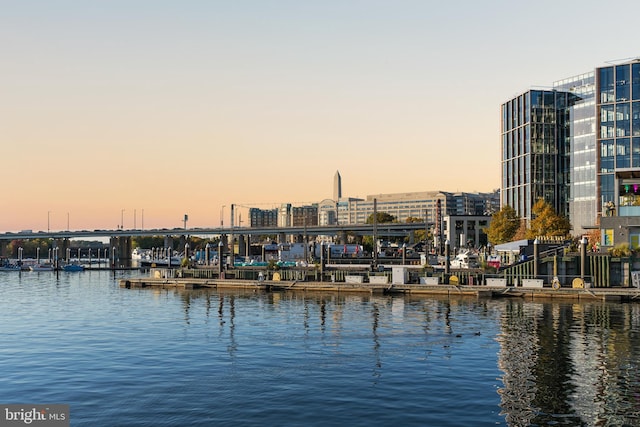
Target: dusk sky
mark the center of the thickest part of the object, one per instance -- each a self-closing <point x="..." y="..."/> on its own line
<point x="109" y="109"/>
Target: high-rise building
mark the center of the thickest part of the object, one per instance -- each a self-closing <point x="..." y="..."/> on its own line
<point x="577" y="146"/>
<point x="535" y="151"/>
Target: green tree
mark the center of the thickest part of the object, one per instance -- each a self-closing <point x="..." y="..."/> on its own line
<point x="382" y="218"/>
<point x="546" y="222"/>
<point x="504" y="225"/>
<point x="418" y="235"/>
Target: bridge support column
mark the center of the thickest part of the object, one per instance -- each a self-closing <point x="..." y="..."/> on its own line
<point x="343" y="238"/>
<point x="120" y="253"/>
<point x="241" y="245"/>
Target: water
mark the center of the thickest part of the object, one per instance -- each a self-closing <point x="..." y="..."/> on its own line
<point x="145" y="357"/>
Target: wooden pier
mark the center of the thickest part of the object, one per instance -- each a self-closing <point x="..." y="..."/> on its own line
<point x="478" y="291"/>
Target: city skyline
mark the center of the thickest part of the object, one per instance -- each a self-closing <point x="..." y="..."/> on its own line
<point x="112" y="109"/>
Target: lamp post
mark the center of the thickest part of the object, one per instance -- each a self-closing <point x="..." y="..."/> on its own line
<point x="536" y="255"/>
<point x="583" y="256"/>
<point x="122" y="219"/>
<point x="48" y="221"/>
<point x="321" y="260"/>
<point x="447" y="255"/>
<point x="220" y="258"/>
<point x="222" y="216"/>
<point x="404" y="253"/>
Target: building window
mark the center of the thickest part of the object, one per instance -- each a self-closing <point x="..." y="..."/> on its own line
<point x="630" y="194"/>
<point x="607" y="121"/>
<point x="635" y="153"/>
<point x="607" y="86"/>
<point x="623" y="115"/>
<point x="635" y="115"/>
<point x="623" y="83"/>
<point x="623" y="153"/>
<point x="635" y="81"/>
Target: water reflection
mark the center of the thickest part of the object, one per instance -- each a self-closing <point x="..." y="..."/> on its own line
<point x="561" y="363"/>
<point x="569" y="364"/>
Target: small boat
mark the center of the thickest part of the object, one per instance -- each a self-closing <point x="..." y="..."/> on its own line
<point x="10" y="267"/>
<point x="41" y="267"/>
<point x="465" y="259"/>
<point x="73" y="267"/>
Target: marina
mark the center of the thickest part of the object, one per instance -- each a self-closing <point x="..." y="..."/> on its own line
<point x="163" y="278"/>
<point x="352" y="358"/>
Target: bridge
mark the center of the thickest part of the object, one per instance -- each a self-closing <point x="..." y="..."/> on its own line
<point x="386" y="229"/>
<point x="119" y="248"/>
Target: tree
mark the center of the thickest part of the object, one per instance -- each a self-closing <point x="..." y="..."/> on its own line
<point x="382" y="218"/>
<point x="503" y="227"/>
<point x="418" y="235"/>
<point x="546" y="222"/>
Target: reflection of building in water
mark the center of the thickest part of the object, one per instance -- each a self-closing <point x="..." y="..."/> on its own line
<point x="569" y="363"/>
<point x="584" y="348"/>
<point x="517" y="359"/>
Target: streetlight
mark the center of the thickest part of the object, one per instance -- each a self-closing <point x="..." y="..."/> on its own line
<point x="220" y="258"/>
<point x="122" y="219"/>
<point x="222" y="216"/>
<point x="48" y="221"/>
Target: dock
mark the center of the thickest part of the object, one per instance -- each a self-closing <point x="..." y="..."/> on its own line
<point x="477" y="291"/>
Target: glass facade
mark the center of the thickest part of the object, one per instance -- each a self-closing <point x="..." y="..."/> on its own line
<point x="583" y="154"/>
<point x="618" y="139"/>
<point x="576" y="146"/>
<point x="535" y="151"/>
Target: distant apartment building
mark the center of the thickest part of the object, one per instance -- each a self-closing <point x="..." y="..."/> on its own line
<point x="302" y="216"/>
<point x="420" y="205"/>
<point x="285" y="215"/>
<point x="263" y="217"/>
<point x="577" y="146"/>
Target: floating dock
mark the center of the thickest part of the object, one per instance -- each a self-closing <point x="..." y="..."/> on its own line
<point x="479" y="291"/>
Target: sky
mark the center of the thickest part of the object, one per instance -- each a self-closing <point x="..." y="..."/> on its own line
<point x="134" y="113"/>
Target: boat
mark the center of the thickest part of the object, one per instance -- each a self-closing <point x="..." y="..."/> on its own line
<point x="41" y="267"/>
<point x="73" y="267"/>
<point x="465" y="259"/>
<point x="139" y="254"/>
<point x="10" y="267"/>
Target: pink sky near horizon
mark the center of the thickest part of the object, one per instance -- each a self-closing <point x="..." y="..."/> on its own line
<point x="182" y="108"/>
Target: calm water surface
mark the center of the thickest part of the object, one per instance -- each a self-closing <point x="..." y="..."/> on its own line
<point x="122" y="357"/>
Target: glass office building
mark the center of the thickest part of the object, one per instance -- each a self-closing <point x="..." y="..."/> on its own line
<point x="577" y="146"/>
<point x="535" y="151"/>
<point x="618" y="116"/>
<point x="583" y="209"/>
